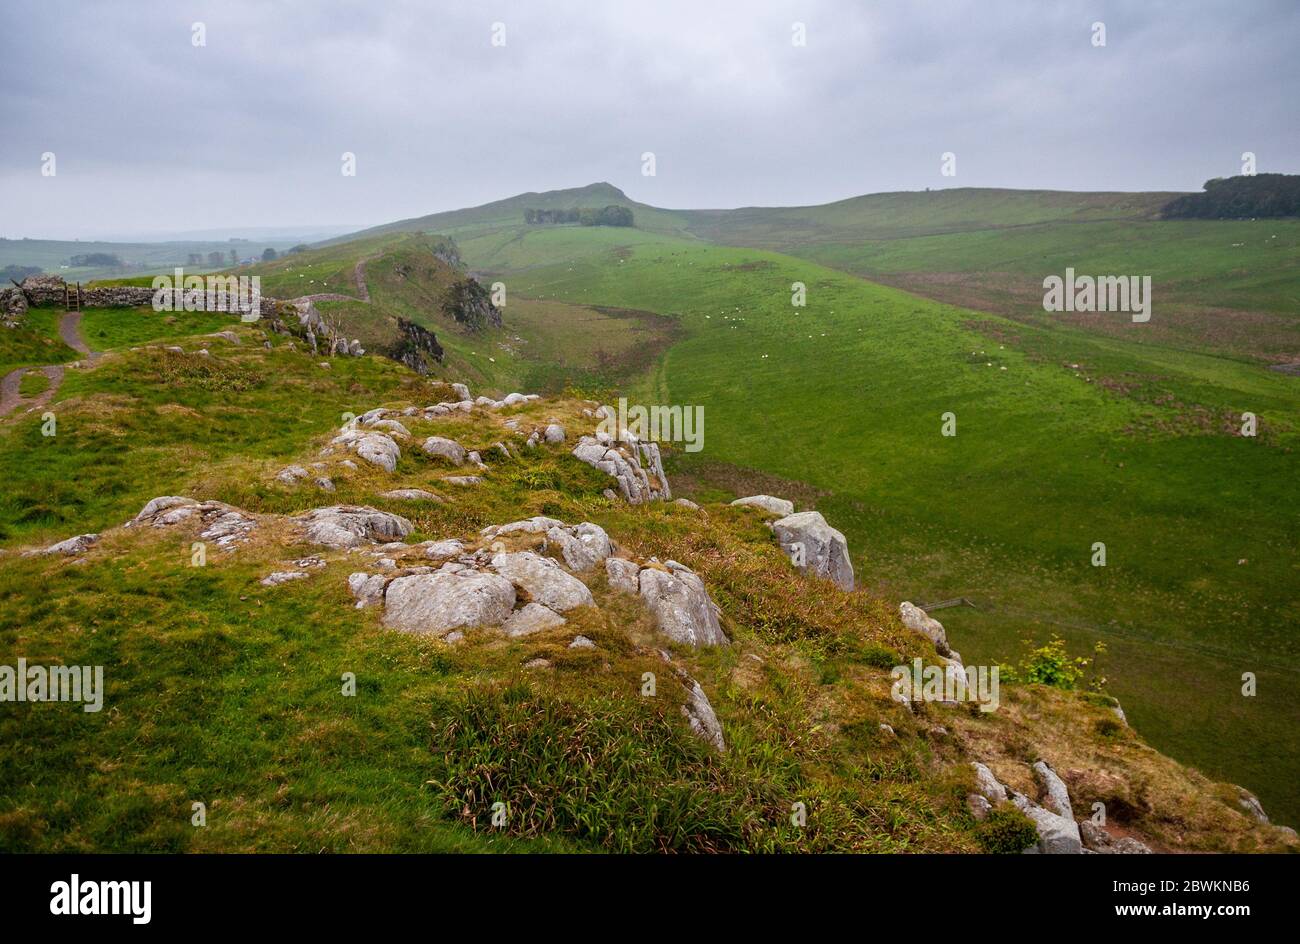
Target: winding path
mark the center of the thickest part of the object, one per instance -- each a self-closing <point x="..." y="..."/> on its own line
<point x="11" y="399"/>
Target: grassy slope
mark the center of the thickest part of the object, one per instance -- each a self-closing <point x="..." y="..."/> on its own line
<point x="1130" y="450"/>
<point x="34" y="342"/>
<point x="106" y="329"/>
<point x="543" y="345"/>
<point x="222" y="691"/>
<point x="1220" y="286"/>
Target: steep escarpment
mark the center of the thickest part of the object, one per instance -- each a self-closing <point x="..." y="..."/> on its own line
<point x="446" y="620"/>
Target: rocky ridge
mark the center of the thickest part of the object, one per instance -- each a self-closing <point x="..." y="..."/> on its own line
<point x="546" y="577"/>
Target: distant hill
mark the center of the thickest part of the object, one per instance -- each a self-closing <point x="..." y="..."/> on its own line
<point x="872" y="216"/>
<point x="138" y="258"/>
<point x="915" y="213"/>
<point x="510" y="212"/>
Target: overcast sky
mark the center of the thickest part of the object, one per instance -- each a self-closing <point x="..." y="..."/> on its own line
<point x="151" y="133"/>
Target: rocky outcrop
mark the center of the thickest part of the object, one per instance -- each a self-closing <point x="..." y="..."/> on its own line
<point x="224" y="525"/>
<point x="446" y="250"/>
<point x="676" y="597"/>
<point x="583" y="546"/>
<point x="987" y="785"/>
<point x="1055" y="795"/>
<point x="352" y="525"/>
<point x="376" y="448"/>
<point x="72" y="547"/>
<point x="539" y="524"/>
<point x="1250" y="803"/>
<point x="391" y="427"/>
<point x="623" y="575"/>
<point x="415" y="346"/>
<point x="477" y="589"/>
<point x="283" y="576"/>
<point x="1056" y="834"/>
<point x="815" y="547"/>
<point x="543" y="580"/>
<point x="470" y="305"/>
<point x="1097" y="839"/>
<point x="697" y="710"/>
<point x="637" y="482"/>
<point x="1057" y="831"/>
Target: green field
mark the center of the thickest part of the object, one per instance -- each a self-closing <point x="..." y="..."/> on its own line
<point x="1134" y="446"/>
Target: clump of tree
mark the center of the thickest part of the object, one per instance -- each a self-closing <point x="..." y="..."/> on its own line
<point x="532" y="216"/>
<point x="100" y="259"/>
<point x="1236" y="198"/>
<point x="17" y="273"/>
<point x="612" y="215"/>
<point x="269" y="255"/>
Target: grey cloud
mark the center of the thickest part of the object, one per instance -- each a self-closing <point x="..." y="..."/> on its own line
<point x="151" y="133"/>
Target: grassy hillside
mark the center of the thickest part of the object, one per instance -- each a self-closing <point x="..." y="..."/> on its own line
<point x="542" y="345"/>
<point x="1220" y="286"/>
<point x="226" y="692"/>
<point x="1064" y="439"/>
<point x="1071" y="430"/>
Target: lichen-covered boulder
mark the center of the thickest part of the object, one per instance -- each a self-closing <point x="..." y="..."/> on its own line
<point x="918" y="621"/>
<point x="532" y="618"/>
<point x="441" y="602"/>
<point x="376" y="448"/>
<point x="775" y="506"/>
<point x="352" y="525"/>
<point x="681" y="606"/>
<point x="583" y="546"/>
<point x="439" y="447"/>
<point x="816" y="547"/>
<point x="545" y="581"/>
<point x="623" y="575"/>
